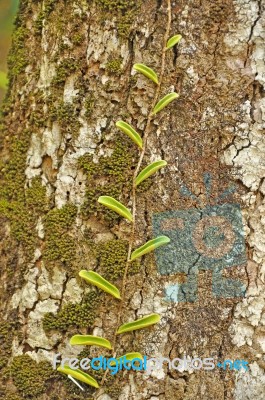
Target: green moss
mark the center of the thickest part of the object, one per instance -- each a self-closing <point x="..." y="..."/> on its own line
<point x="6" y="338"/>
<point x="48" y="8"/>
<point x="115" y="170"/>
<point x="112" y="257"/>
<point x="39" y="22"/>
<point x="63" y="46"/>
<point x="59" y="244"/>
<point x="23" y="213"/>
<point x="125" y="12"/>
<point x="6" y="106"/>
<point x="65" y="68"/>
<point x="77" y="315"/>
<point x="21" y="206"/>
<point x="86" y="163"/>
<point x="30" y="377"/>
<point x="145" y="185"/>
<point x="89" y="104"/>
<point x="36" y="198"/>
<point x="18" y="58"/>
<point x="65" y="113"/>
<point x="22" y="224"/>
<point x="77" y="39"/>
<point x="91" y="205"/>
<point x="13" y="171"/>
<point x="37" y="118"/>
<point x="120" y="162"/>
<point x="114" y="66"/>
<point x="125" y="22"/>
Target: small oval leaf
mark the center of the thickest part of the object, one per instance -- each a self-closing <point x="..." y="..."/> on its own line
<point x="149" y="246"/>
<point x="116" y="206"/>
<point x="173" y="40"/>
<point x="90" y="340"/>
<point x="149" y="170"/>
<point x="129" y="131"/>
<point x="95" y="279"/>
<point x="146" y="71"/>
<point x="80" y="375"/>
<point x="141" y="323"/>
<point x="165" y="101"/>
<point x="128" y="356"/>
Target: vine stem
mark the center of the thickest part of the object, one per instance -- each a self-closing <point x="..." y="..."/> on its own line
<point x="137" y="169"/>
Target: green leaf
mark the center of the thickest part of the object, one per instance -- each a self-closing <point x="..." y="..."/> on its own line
<point x="144" y="322"/>
<point x="149" y="246"/>
<point x="95" y="279"/>
<point x="173" y="40"/>
<point x="116" y="206"/>
<point x="165" y="101"/>
<point x="149" y="170"/>
<point x="128" y="130"/>
<point x="146" y="71"/>
<point x="89" y="340"/>
<point x="78" y="374"/>
<point x="128" y="356"/>
<point x="3" y="80"/>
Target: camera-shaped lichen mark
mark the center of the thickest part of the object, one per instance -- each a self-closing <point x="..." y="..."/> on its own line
<point x="209" y="238"/>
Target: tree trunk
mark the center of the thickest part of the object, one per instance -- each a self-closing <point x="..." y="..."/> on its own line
<point x="71" y="79"/>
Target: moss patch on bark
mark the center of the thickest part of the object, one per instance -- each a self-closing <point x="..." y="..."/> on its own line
<point x="59" y="244"/>
<point x="125" y="13"/>
<point x="78" y="315"/>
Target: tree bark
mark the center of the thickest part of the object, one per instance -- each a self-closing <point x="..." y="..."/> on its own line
<point x="71" y="79"/>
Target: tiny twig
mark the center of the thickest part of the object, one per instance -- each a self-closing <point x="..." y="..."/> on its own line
<point x="137" y="169"/>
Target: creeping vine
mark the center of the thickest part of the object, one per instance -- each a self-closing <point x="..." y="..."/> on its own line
<point x="138" y="177"/>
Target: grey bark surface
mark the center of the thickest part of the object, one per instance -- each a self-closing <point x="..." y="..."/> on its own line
<point x="75" y="83"/>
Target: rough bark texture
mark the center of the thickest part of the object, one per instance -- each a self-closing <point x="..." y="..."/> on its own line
<point x="70" y="72"/>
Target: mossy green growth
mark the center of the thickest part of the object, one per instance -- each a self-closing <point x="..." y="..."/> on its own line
<point x="23" y="211"/>
<point x="65" y="113"/>
<point x="22" y="224"/>
<point x="37" y="118"/>
<point x="6" y="338"/>
<point x="78" y="315"/>
<point x="77" y="38"/>
<point x="21" y="205"/>
<point x="35" y="195"/>
<point x="59" y="244"/>
<point x="89" y="104"/>
<point x="113" y="66"/>
<point x="48" y="8"/>
<point x="30" y="377"/>
<point x="65" y="68"/>
<point x="112" y="257"/>
<point x="13" y="171"/>
<point x="91" y="205"/>
<point x="18" y="58"/>
<point x="86" y="163"/>
<point x="125" y="12"/>
<point x="116" y="172"/>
